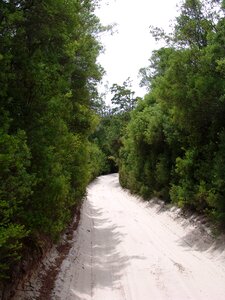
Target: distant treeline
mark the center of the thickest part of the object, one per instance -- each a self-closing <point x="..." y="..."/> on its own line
<point x="48" y="77"/>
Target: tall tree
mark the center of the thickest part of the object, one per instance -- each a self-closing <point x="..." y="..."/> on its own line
<point x="123" y="97"/>
<point x="48" y="77"/>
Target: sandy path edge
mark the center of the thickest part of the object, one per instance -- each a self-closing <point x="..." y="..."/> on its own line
<point x="40" y="283"/>
<point x="126" y="248"/>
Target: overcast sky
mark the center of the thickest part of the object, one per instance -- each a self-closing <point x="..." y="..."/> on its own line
<point x="129" y="49"/>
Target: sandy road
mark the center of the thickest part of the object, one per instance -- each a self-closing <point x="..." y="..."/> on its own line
<point x="126" y="250"/>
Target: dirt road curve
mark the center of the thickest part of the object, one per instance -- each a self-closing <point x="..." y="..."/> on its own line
<point x="126" y="249"/>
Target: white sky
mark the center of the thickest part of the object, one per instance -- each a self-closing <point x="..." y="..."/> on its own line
<point x="129" y="50"/>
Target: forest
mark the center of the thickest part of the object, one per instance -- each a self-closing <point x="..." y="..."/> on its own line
<point x="56" y="133"/>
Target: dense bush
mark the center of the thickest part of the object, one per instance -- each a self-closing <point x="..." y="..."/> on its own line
<point x="48" y="77"/>
<point x="16" y="188"/>
<point x="174" y="144"/>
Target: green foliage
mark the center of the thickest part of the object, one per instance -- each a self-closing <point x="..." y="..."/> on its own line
<point x="98" y="163"/>
<point x="108" y="138"/>
<point x="48" y="78"/>
<point x="174" y="144"/>
<point x="11" y="238"/>
<point x="146" y="168"/>
<point x="112" y="127"/>
<point x="123" y="98"/>
<point x="15" y="189"/>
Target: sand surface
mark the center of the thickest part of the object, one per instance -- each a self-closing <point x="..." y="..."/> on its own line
<point x="128" y="249"/>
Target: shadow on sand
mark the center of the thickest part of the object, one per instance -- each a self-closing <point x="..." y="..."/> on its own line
<point x="104" y="260"/>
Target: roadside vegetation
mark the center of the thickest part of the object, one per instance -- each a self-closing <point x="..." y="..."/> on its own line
<point x="174" y="145"/>
<point x="171" y="144"/>
<point x="48" y="102"/>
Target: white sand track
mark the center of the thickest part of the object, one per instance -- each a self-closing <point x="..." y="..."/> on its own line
<point x="126" y="249"/>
